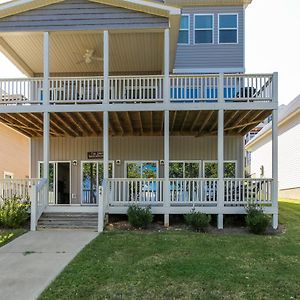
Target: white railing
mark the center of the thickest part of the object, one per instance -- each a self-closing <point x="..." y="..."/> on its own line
<point x="141" y="191"/>
<point x="16" y="187"/>
<point x="197" y="191"/>
<point x="38" y="201"/>
<point x="139" y="89"/>
<point x="20" y="91"/>
<point x="136" y="88"/>
<point x="244" y="191"/>
<point x="194" y="88"/>
<point x="76" y="90"/>
<point x="248" y="87"/>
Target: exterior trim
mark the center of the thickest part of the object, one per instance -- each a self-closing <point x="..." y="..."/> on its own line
<point x="19" y="6"/>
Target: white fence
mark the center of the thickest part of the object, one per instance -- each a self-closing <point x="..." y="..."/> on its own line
<point x="140" y="191"/>
<point x="193" y="191"/>
<point x="16" y="187"/>
<point x="243" y="191"/>
<point x="38" y="202"/>
<point x="139" y="89"/>
<point x="186" y="192"/>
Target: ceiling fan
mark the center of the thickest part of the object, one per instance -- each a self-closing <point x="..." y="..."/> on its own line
<point x="89" y="57"/>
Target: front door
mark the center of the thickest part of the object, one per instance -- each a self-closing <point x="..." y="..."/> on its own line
<point x="59" y="182"/>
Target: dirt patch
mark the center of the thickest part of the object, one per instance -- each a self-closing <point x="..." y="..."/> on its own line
<point x="159" y="227"/>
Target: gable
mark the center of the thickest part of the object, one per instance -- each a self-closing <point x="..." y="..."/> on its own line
<point x="80" y="15"/>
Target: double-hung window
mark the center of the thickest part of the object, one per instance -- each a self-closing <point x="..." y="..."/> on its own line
<point x="228" y="28"/>
<point x="203" y="29"/>
<point x="184" y="31"/>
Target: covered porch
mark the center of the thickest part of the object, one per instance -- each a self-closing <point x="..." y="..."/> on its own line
<point x="171" y="160"/>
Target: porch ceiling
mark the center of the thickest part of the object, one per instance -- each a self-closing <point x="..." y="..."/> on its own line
<point x="185" y="123"/>
<point x="130" y="52"/>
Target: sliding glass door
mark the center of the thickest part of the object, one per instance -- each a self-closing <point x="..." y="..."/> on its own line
<point x="59" y="181"/>
<point x="91" y="179"/>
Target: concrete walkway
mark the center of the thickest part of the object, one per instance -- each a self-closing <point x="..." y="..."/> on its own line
<point x="29" y="263"/>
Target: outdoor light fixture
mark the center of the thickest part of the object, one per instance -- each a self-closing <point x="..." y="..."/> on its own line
<point x="161" y="162"/>
<point x="118" y="162"/>
<point x="74" y="163"/>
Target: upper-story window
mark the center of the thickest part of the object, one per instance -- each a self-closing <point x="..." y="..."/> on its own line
<point x="228" y="28"/>
<point x="203" y="29"/>
<point x="184" y="32"/>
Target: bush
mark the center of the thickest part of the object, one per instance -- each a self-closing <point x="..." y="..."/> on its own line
<point x="14" y="212"/>
<point x="198" y="221"/>
<point x="139" y="217"/>
<point x="256" y="220"/>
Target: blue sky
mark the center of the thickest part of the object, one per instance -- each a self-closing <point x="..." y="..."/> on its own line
<point x="272" y="44"/>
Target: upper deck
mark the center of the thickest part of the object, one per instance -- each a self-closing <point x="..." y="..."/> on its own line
<point x="183" y="90"/>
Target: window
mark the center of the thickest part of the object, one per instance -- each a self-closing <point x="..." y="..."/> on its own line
<point x="203" y="29"/>
<point x="228" y="29"/>
<point x="184" y="169"/>
<point x="8" y="175"/>
<point x="184" y="31"/>
<point x="211" y="169"/>
<point x="141" y="169"/>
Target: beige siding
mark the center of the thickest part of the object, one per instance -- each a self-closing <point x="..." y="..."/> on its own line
<point x="134" y="148"/>
<point x="288" y="152"/>
<point x="14" y="153"/>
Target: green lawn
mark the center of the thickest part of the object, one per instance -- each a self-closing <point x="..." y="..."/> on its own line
<point x="186" y="265"/>
<point x="6" y="235"/>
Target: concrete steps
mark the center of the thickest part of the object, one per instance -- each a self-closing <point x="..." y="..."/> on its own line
<point x="68" y="221"/>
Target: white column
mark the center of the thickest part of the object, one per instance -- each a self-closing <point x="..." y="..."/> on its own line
<point x="46" y="69"/>
<point x="275" y="152"/>
<point x="106" y="65"/>
<point x="166" y="168"/>
<point x="166" y="65"/>
<point x="46" y="115"/>
<point x="221" y="153"/>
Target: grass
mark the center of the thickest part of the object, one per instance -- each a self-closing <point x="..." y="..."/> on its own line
<point x="7" y="235"/>
<point x="186" y="265"/>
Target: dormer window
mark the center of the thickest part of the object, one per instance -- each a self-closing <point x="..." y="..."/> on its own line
<point x="203" y="29"/>
<point x="184" y="31"/>
<point x="228" y="28"/>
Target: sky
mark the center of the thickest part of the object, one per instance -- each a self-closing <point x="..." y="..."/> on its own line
<point x="272" y="45"/>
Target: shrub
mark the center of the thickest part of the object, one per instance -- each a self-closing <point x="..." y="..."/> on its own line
<point x="198" y="221"/>
<point x="14" y="212"/>
<point x="256" y="220"/>
<point x="139" y="217"/>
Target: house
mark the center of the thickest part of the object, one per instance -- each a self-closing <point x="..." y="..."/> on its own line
<point x="141" y="102"/>
<point x="289" y="146"/>
<point x="14" y="154"/>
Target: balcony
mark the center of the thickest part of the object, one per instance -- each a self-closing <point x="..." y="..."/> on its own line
<point x="242" y="88"/>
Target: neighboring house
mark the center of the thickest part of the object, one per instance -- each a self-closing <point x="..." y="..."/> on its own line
<point x="14" y="154"/>
<point x="289" y="149"/>
<point x="146" y="99"/>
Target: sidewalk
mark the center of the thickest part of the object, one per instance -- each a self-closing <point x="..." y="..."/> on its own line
<point x="29" y="263"/>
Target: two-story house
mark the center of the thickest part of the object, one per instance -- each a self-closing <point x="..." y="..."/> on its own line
<point x="140" y="101"/>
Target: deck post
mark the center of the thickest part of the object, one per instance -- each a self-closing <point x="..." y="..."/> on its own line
<point x="46" y="115"/>
<point x="166" y="189"/>
<point x="105" y="159"/>
<point x="275" y="153"/>
<point x="32" y="195"/>
<point x="106" y="66"/>
<point x="167" y="65"/>
<point x="220" y="194"/>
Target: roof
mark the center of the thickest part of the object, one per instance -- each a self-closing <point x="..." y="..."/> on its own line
<point x="285" y="113"/>
<point x="187" y="3"/>
<point x="156" y="8"/>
